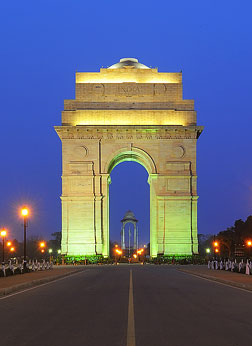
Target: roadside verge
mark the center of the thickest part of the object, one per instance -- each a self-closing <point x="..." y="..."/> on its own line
<point x="30" y="280"/>
<point x="225" y="277"/>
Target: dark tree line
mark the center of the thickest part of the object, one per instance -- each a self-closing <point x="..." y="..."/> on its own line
<point x="232" y="241"/>
<point x="33" y="248"/>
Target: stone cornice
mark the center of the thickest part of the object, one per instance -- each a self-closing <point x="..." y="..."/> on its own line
<point x="183" y="105"/>
<point x="129" y="132"/>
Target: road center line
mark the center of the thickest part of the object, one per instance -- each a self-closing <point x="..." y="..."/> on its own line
<point x="131" y="338"/>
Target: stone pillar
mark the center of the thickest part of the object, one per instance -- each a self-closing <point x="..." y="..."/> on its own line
<point x="135" y="237"/>
<point x="153" y="216"/>
<point x="105" y="213"/>
<point x="123" y="237"/>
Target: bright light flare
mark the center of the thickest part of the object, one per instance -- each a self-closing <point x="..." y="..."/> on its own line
<point x="24" y="211"/>
<point x="135" y="256"/>
<point x="208" y="250"/>
<point x="249" y="243"/>
<point x="3" y="233"/>
<point x="50" y="250"/>
<point x="59" y="251"/>
<point x="216" y="243"/>
<point x="9" y="243"/>
<point x="119" y="252"/>
<point x="216" y="250"/>
<point x="12" y="249"/>
<point x="42" y="244"/>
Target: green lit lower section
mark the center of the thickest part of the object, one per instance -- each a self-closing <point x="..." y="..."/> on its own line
<point x="160" y="259"/>
<point x="173" y="216"/>
<point x="88" y="259"/>
<point x="178" y="259"/>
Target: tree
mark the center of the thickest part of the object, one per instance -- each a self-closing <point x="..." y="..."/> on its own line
<point x="205" y="242"/>
<point x="235" y="236"/>
<point x="55" y="243"/>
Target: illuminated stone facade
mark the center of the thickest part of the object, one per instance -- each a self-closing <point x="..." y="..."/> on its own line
<point x="129" y="112"/>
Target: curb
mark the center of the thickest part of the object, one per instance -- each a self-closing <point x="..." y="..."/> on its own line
<point x="209" y="277"/>
<point x="12" y="289"/>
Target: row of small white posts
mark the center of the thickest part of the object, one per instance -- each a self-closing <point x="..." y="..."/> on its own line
<point x="231" y="265"/>
<point x="31" y="265"/>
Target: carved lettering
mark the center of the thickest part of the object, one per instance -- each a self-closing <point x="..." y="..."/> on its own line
<point x="128" y="90"/>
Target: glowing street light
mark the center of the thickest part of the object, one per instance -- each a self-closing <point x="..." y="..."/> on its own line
<point x="9" y="243"/>
<point x="42" y="244"/>
<point x="118" y="253"/>
<point x="24" y="213"/>
<point x="249" y="244"/>
<point x="59" y="252"/>
<point x="50" y="252"/>
<point x="216" y="245"/>
<point x="208" y="250"/>
<point x="3" y="235"/>
<point x="12" y="249"/>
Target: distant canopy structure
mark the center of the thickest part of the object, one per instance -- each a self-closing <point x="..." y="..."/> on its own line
<point x="129" y="217"/>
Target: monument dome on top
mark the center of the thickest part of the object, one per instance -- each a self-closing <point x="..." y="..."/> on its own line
<point x="128" y="62"/>
<point x="129" y="216"/>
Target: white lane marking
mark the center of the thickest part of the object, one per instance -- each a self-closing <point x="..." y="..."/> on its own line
<point x="40" y="285"/>
<point x="215" y="281"/>
<point x="131" y="337"/>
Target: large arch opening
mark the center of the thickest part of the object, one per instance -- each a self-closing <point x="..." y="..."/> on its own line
<point x="138" y="157"/>
<point x="134" y="154"/>
<point x="129" y="190"/>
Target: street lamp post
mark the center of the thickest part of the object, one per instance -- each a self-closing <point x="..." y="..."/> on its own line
<point x="249" y="244"/>
<point x="24" y="212"/>
<point x="42" y="246"/>
<point x="3" y="234"/>
<point x="119" y="253"/>
<point x="216" y="248"/>
<point x="50" y="254"/>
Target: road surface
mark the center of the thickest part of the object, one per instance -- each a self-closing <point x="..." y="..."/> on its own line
<point x="127" y="305"/>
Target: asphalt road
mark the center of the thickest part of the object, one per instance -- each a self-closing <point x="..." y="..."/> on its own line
<point x="128" y="305"/>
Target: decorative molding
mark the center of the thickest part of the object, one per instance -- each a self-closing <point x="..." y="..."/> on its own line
<point x="130" y="133"/>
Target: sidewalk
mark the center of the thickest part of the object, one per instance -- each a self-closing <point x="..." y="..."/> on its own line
<point x="11" y="284"/>
<point x="234" y="279"/>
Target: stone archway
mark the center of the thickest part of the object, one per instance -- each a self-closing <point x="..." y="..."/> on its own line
<point x="129" y="112"/>
<point x="131" y="154"/>
<point x="135" y="154"/>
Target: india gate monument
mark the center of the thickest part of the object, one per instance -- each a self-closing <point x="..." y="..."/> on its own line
<point x="129" y="112"/>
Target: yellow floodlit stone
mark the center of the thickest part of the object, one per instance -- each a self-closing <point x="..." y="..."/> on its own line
<point x="129" y="112"/>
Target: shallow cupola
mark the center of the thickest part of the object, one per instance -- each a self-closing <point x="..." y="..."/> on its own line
<point x="128" y="63"/>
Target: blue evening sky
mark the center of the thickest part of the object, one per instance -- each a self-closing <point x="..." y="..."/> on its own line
<point x="44" y="42"/>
